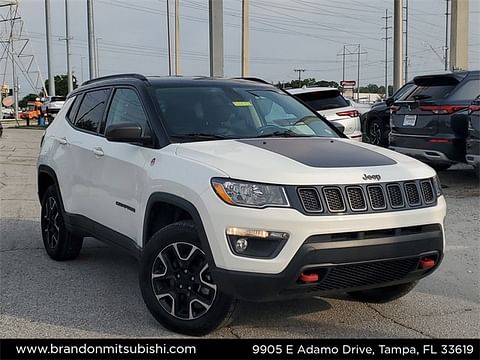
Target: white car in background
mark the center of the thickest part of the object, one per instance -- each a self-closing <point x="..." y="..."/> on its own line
<point x="330" y="103"/>
<point x="362" y="108"/>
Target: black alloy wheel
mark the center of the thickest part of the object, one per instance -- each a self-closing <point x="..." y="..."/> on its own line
<point x="182" y="282"/>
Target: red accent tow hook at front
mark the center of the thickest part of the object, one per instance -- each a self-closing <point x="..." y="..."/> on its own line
<point x="308" y="278"/>
<point x="427" y="263"/>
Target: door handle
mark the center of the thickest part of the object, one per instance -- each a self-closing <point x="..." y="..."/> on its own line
<point x="63" y="141"/>
<point x="98" y="151"/>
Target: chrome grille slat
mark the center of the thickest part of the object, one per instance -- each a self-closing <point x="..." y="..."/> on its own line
<point x="412" y="193"/>
<point x="395" y="196"/>
<point x="427" y="191"/>
<point x="376" y="197"/>
<point x="356" y="199"/>
<point x="310" y="199"/>
<point x="334" y="199"/>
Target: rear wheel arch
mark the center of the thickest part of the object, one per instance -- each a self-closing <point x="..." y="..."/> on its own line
<point x="164" y="209"/>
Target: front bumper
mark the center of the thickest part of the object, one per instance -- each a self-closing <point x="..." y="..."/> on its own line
<point x="219" y="216"/>
<point x="342" y="266"/>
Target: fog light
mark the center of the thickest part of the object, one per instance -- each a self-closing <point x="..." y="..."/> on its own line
<point x="241" y="245"/>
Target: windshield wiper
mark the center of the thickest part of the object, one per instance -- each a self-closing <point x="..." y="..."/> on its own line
<point x="282" y="134"/>
<point x="199" y="136"/>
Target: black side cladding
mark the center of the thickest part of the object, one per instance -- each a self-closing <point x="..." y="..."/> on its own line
<point x="317" y="152"/>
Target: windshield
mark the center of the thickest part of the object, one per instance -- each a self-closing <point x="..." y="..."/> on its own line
<point x="223" y="112"/>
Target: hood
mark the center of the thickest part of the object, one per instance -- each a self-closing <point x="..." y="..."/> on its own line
<point x="300" y="161"/>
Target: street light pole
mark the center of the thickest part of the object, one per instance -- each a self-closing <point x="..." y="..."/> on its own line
<point x="67" y="42"/>
<point x="215" y="11"/>
<point x="91" y="40"/>
<point x="177" y="37"/>
<point x="51" y="76"/>
<point x="245" y="38"/>
<point x="97" y="53"/>
<point x="169" y="46"/>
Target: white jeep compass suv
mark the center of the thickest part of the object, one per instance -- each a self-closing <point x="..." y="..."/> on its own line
<point x="233" y="189"/>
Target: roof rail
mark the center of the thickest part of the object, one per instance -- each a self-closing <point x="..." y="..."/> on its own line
<point x="116" y="76"/>
<point x="252" y="79"/>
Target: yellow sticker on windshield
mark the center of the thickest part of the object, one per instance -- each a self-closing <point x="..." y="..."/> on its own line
<point x="242" y="103"/>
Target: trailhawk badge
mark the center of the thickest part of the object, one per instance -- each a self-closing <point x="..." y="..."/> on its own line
<point x="371" y="177"/>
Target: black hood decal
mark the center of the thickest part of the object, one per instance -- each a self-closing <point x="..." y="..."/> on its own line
<point x="317" y="152"/>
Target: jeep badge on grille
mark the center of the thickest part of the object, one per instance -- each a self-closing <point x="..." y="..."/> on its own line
<point x="371" y="177"/>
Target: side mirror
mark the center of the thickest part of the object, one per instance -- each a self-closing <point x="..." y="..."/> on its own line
<point x="129" y="132"/>
<point x="390" y="101"/>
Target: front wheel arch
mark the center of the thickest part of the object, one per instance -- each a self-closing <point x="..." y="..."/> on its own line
<point x="185" y="206"/>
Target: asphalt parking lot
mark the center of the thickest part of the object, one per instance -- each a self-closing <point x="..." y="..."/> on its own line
<point x="97" y="295"/>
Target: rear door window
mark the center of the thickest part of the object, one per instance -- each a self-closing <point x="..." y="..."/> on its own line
<point x="90" y="112"/>
<point x="323" y="100"/>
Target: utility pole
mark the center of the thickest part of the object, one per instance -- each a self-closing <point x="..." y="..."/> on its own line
<point x="245" y="39"/>
<point x="386" y="38"/>
<point x="51" y="76"/>
<point x="215" y="11"/>
<point x="97" y="57"/>
<point x="169" y="46"/>
<point x="92" y="56"/>
<point x="459" y="35"/>
<point x="81" y="66"/>
<point x="299" y="75"/>
<point x="397" y="45"/>
<point x="445" y="48"/>
<point x="67" y="42"/>
<point x="14" y="73"/>
<point x="405" y="79"/>
<point x="177" y="37"/>
<point x="343" y="63"/>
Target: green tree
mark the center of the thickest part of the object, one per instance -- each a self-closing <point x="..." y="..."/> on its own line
<point x="61" y="84"/>
<point x="308" y="83"/>
<point x="30" y="97"/>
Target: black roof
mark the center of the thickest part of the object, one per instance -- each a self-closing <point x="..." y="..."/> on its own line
<point x="171" y="81"/>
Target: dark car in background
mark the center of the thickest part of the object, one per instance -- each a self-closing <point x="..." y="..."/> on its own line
<point x="376" y="122"/>
<point x="473" y="140"/>
<point x="424" y="123"/>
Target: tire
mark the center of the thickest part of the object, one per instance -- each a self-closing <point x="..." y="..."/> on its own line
<point x="384" y="294"/>
<point x="176" y="283"/>
<point x="377" y="134"/>
<point x="440" y="167"/>
<point x="59" y="243"/>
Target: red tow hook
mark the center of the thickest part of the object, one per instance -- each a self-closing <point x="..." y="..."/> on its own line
<point x="308" y="278"/>
<point x="427" y="263"/>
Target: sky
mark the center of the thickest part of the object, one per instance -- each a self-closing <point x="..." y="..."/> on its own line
<point x="284" y="35"/>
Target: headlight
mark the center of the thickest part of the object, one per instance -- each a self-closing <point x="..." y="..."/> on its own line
<point x="437" y="185"/>
<point x="241" y="193"/>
